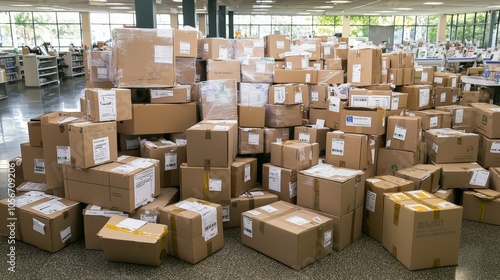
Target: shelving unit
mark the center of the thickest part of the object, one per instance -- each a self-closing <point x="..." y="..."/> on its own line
<point x="20" y="66"/>
<point x="75" y="62"/>
<point x="8" y="62"/>
<point x="40" y="70"/>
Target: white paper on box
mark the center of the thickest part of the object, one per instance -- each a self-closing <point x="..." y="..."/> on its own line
<point x="441" y="191"/>
<point x="289" y="65"/>
<point x="454" y="99"/>
<point x="292" y="187"/>
<point x="433" y="121"/>
<point x="131" y="224"/>
<point x="164" y="33"/>
<point x="467" y="87"/>
<point x="215" y="185"/>
<point x="446" y="204"/>
<point x="297" y="220"/>
<point x="305" y="62"/>
<point x="380" y="101"/>
<point x="314" y="96"/>
<point x="107" y="105"/>
<point x="399" y="133"/>
<point x="159" y="93"/>
<point x="102" y="73"/>
<point x="208" y="217"/>
<point x="438" y="80"/>
<point x="223" y="53"/>
<point x="100" y="148"/>
<point x="435" y="147"/>
<point x="247" y="175"/>
<point x="247" y="226"/>
<point x="65" y="234"/>
<point x="371" y="198"/>
<point x="254" y="212"/>
<point x="39" y="166"/>
<point x="338" y="146"/>
<point x="327" y="238"/>
<point x="68" y="119"/>
<point x="275" y="179"/>
<point x="248" y="50"/>
<point x="424" y="77"/>
<point x="454" y="82"/>
<point x="125" y="168"/>
<point x="442" y="98"/>
<point x="358" y="121"/>
<point x="320" y="123"/>
<point x="170" y="161"/>
<point x="253" y="139"/>
<point x="49" y="207"/>
<point x="308" y="78"/>
<point x="122" y="158"/>
<point x="38" y="226"/>
<point x="63" y="154"/>
<point x="280" y="45"/>
<point x="150" y="218"/>
<point x="256" y="193"/>
<point x="279" y="94"/>
<point x="298" y="96"/>
<point x="206" y="47"/>
<point x="495" y="148"/>
<point x="304" y="137"/>
<point x="226" y="214"/>
<point x="144" y="185"/>
<point x="359" y="100"/>
<point x="459" y="116"/>
<point x="260" y="67"/>
<point x="184" y="47"/>
<point x="479" y="178"/>
<point x="27" y="199"/>
<point x="326" y="50"/>
<point x="104" y="213"/>
<point x="334" y="105"/>
<point x="268" y="208"/>
<point x="356" y="73"/>
<point x="143" y="162"/>
<point x="132" y="143"/>
<point x="163" y="54"/>
<point x="32" y="186"/>
<point x="424" y="97"/>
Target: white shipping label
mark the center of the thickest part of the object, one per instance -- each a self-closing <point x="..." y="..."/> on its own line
<point x="248" y="173"/>
<point x="459" y="116"/>
<point x="495" y="148"/>
<point x="184" y="47"/>
<point x="27" y="199"/>
<point x="289" y="65"/>
<point x="63" y="154"/>
<point x="215" y="185"/>
<point x="359" y="100"/>
<point x="334" y="104"/>
<point x="260" y="67"/>
<point x="50" y="207"/>
<point x="131" y="224"/>
<point x="479" y="178"/>
<point x="317" y="66"/>
<point x="247" y="226"/>
<point x="424" y="77"/>
<point x="467" y="87"/>
<point x="208" y="217"/>
<point x="32" y="186"/>
<point x="164" y="54"/>
<point x="206" y="47"/>
<point x="65" y="234"/>
<point x="279" y="94"/>
<point x="292" y="187"/>
<point x="100" y="147"/>
<point x="356" y="73"/>
<point x="150" y="218"/>
<point x="107" y="105"/>
<point x="443" y="97"/>
<point x="165" y="33"/>
<point x="298" y="97"/>
<point x="132" y="144"/>
<point x="223" y="52"/>
<point x="170" y="161"/>
<point x="253" y="139"/>
<point x="275" y="179"/>
<point x="159" y="93"/>
<point x="380" y="101"/>
<point x="454" y="99"/>
<point x="39" y="166"/>
<point x="308" y="78"/>
<point x="320" y="123"/>
<point x="327" y="239"/>
<point x="125" y="168"/>
<point x="257" y="193"/>
<point x="338" y="146"/>
<point x="124" y="157"/>
<point x="268" y="208"/>
<point x="38" y="226"/>
<point x="433" y="121"/>
<point x="144" y="185"/>
<point x="435" y="147"/>
<point x="297" y="220"/>
<point x="226" y="214"/>
<point x="305" y="62"/>
<point x="395" y="103"/>
<point x="424" y="97"/>
<point x="304" y="137"/>
<point x="358" y="121"/>
<point x="327" y="50"/>
<point x="280" y="45"/>
<point x="453" y="82"/>
<point x="438" y="80"/>
<point x="314" y="96"/>
<point x="399" y="133"/>
<point x="371" y="198"/>
<point x="248" y="50"/>
<point x="254" y="212"/>
<point x="102" y="73"/>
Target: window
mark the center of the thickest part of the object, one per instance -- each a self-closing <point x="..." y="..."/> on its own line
<point x="468" y="28"/>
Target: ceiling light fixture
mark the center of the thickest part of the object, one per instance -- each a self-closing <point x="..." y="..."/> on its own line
<point x="265" y="1"/>
<point x="315" y="10"/>
<point x="303" y="13"/>
<point x="262" y="6"/>
<point x="339" y="2"/>
<point x="403" y="9"/>
<point x="324" y="7"/>
<point x="258" y="9"/>
<point x="120" y="8"/>
<point x="177" y="1"/>
<point x="386" y="12"/>
<point x="433" y="3"/>
<point x="114" y="4"/>
<point x="21" y="5"/>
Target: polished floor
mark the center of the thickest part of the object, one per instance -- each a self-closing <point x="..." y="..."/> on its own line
<point x="364" y="259"/>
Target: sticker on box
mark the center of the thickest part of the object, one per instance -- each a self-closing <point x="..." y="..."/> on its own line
<point x="247" y="226"/>
<point x="107" y="105"/>
<point x="144" y="185"/>
<point x="100" y="147"/>
<point x="275" y="179"/>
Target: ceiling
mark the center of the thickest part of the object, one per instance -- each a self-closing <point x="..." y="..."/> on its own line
<point x="268" y="7"/>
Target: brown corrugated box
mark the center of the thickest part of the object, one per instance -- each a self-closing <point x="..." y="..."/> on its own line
<point x="408" y="76"/>
<point x="296" y="62"/>
<point x="275" y="45"/>
<point x="432" y="119"/>
<point x="216" y="48"/>
<point x="312" y="134"/>
<point x="447" y="145"/>
<point x="243" y="175"/>
<point x="251" y="141"/>
<point x="108" y="105"/>
<point x="335" y="64"/>
<point x="186" y="43"/>
<point x="186" y="70"/>
<point x="395" y="76"/>
<point x="489" y="152"/>
<point x="177" y="94"/>
<point x="463" y="175"/>
<point x="224" y="70"/>
<point x="257" y="69"/>
<point x="444" y="96"/>
<point x="275" y="135"/>
<point x="347" y="150"/>
<point x="317" y="64"/>
<point x="424" y="176"/>
<point x="364" y="67"/>
<point x="404" y="133"/>
<point x="317" y="116"/>
<point x="333" y="114"/>
<point x="365" y="120"/>
<point x="248" y="48"/>
<point x="310" y="45"/>
<point x="461" y="118"/>
<point x="419" y="96"/>
<point x="389" y="161"/>
<point x="151" y="211"/>
<point x="366" y="98"/>
<point x="94" y="219"/>
<point x="283" y="76"/>
<point x="218" y="100"/>
<point x="35" y="132"/>
<point x="318" y="96"/>
<point x="330" y="77"/>
<point x="424" y="75"/>
<point x="495" y="178"/>
<point x="283" y="115"/>
<point x="288" y="94"/>
<point x="448" y="195"/>
<point x="487" y="119"/>
<point x="100" y="67"/>
<point x="34" y="163"/>
<point x="247" y="201"/>
<point x="446" y="79"/>
<point x="294" y="155"/>
<point x="280" y="181"/>
<point x="482" y="206"/>
<point x="208" y="183"/>
<point x="170" y="155"/>
<point x="251" y="116"/>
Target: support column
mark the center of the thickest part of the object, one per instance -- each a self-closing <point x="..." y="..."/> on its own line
<point x="212" y="18"/>
<point x="222" y="21"/>
<point x="441" y="35"/>
<point x="231" y="24"/>
<point x="145" y="13"/>
<point x="189" y="13"/>
<point x="86" y="30"/>
<point x="490" y="28"/>
<point x="202" y="21"/>
<point x="174" y="21"/>
<point x="346" y="26"/>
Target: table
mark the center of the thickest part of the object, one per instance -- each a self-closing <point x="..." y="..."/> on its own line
<point x="474" y="80"/>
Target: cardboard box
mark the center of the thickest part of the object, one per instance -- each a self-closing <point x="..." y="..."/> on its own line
<point x="424" y="176"/>
<point x="50" y="223"/>
<point x="295" y="155"/>
<point x="208" y="183"/>
<point x="309" y="45"/>
<point x="283" y="115"/>
<point x="333" y="114"/>
<point x="487" y="119"/>
<point x="275" y="45"/>
<point x="464" y="175"/>
<point x="481" y="206"/>
<point x="170" y="155"/>
<point x="186" y="43"/>
<point x="475" y="71"/>
<point x="296" y="62"/>
<point x="130" y="50"/>
<point x="201" y="70"/>
<point x="424" y="75"/>
<point x="446" y="80"/>
<point x="318" y="96"/>
<point x="374" y="201"/>
<point x="404" y="133"/>
<point x="317" y="64"/>
<point x="251" y="116"/>
<point x="317" y="117"/>
<point x="218" y="100"/>
<point x="468" y="97"/>
<point x="16" y="164"/>
<point x="447" y="145"/>
<point x="34" y="163"/>
<point x="177" y="94"/>
<point x="249" y="48"/>
<point x="288" y="94"/>
<point x="186" y="70"/>
<point x="248" y="201"/>
<point x="243" y="175"/>
<point x="123" y="185"/>
<point x="347" y="150"/>
<point x="279" y="64"/>
<point x="283" y="76"/>
<point x="408" y="76"/>
<point x="335" y="64"/>
<point x="495" y="178"/>
<point x="389" y="161"/>
<point x="212" y="142"/>
<point x="257" y="69"/>
<point x="332" y="190"/>
<point x="416" y="235"/>
<point x="280" y="181"/>
<point x="433" y="119"/>
<point x="488" y="152"/>
<point x="444" y="96"/>
<point x="408" y="60"/>
<point x="275" y="135"/>
<point x="312" y="134"/>
<point x="419" y="96"/>
<point x="35" y="132"/>
<point x="399" y="100"/>
<point x="131" y="142"/>
<point x="365" y="120"/>
<point x="341" y="50"/>
<point x="121" y="242"/>
<point x="330" y="77"/>
<point x="364" y="67"/>
<point x="461" y="116"/>
<point x="448" y="195"/>
<point x="251" y="141"/>
<point x="290" y="236"/>
<point x="216" y="48"/>
<point x="159" y="119"/>
<point x="253" y="94"/>
<point x="346" y="228"/>
<point x="94" y="219"/>
<point x="224" y="70"/>
<point x="108" y="105"/>
<point x="100" y="67"/>
<point x="151" y="211"/>
<point x="395" y="76"/>
<point x="367" y="98"/>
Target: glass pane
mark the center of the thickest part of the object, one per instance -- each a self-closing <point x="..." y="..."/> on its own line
<point x="421" y="33"/>
<point x="260" y="31"/>
<point x="302" y="20"/>
<point x="398" y="35"/>
<point x="359" y="31"/>
<point x="44" y="17"/>
<point x="281" y="20"/>
<point x="409" y="33"/>
<point x="460" y="33"/>
<point x="384" y="21"/>
<point x="244" y="29"/>
<point x="321" y="30"/>
<point x="63" y="17"/>
<point x="70" y="34"/>
<point x="327" y="20"/>
<point x="449" y="19"/>
<point x="100" y="33"/>
<point x="469" y="29"/>
<point x="399" y="20"/>
<point x="99" y="18"/>
<point x="448" y="36"/>
<point x="301" y="31"/>
<point x="259" y="19"/>
<point x="421" y="20"/>
<point x="481" y="17"/>
<point x="478" y="35"/>
<point x="241" y="19"/>
<point x="21" y="17"/>
<point x="5" y="35"/>
<point x="118" y="18"/>
<point x="409" y="20"/>
<point x="433" y="20"/>
<point x="282" y="29"/>
<point x="4" y="17"/>
<point x="461" y="19"/>
<point x="469" y="18"/>
<point x="163" y="26"/>
<point x="46" y="33"/>
<point x="360" y="20"/>
<point x="24" y="34"/>
<point x="432" y="34"/>
<point x="163" y="19"/>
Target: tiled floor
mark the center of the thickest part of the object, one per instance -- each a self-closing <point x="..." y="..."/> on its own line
<point x="364" y="259"/>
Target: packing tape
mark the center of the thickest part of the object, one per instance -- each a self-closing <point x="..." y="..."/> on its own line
<point x="482" y="211"/>
<point x="206" y="179"/>
<point x="397" y="209"/>
<point x="394" y="251"/>
<point x="262" y="224"/>
<point x="342" y="164"/>
<point x="437" y="212"/>
<point x="138" y="232"/>
<point x="208" y="134"/>
<point x="436" y="262"/>
<point x="459" y="141"/>
<point x="251" y="202"/>
<point x="173" y="229"/>
<point x="318" y="251"/>
<point x="316" y="193"/>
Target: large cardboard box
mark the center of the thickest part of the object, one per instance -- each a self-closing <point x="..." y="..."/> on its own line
<point x="134" y="46"/>
<point x="33" y="163"/>
<point x="218" y="100"/>
<point x="347" y="150"/>
<point x="159" y="119"/>
<point x="487" y="119"/>
<point x="108" y="105"/>
<point x="389" y="160"/>
<point x="251" y="141"/>
<point x="283" y="115"/>
<point x="312" y="134"/>
<point x="248" y="201"/>
<point x="333" y="114"/>
<point x="444" y="96"/>
<point x="482" y="206"/>
<point x="495" y="178"/>
<point x="124" y="185"/>
<point x="447" y="145"/>
<point x="424" y="75"/>
<point x="253" y="94"/>
<point x="399" y="101"/>
<point x="367" y="98"/>
<point x="297" y="61"/>
<point x="213" y="142"/>
<point x="318" y="96"/>
<point x="186" y="43"/>
<point x="243" y="175"/>
<point x="170" y="155"/>
<point x="424" y="176"/>
<point x="92" y="144"/>
<point x="280" y="181"/>
<point x="295" y="155"/>
<point x="248" y="48"/>
<point x="208" y="183"/>
<point x="364" y="67"/>
<point x="463" y="175"/>
<point x="257" y="69"/>
<point x="275" y="45"/>
<point x="489" y="152"/>
<point x="448" y="195"/>
<point x="251" y="116"/>
<point x="404" y="133"/>
<point x="94" y="219"/>
<point x="433" y="119"/>
<point x="288" y="94"/>
<point x="151" y="211"/>
<point x="374" y="201"/>
<point x="293" y="236"/>
<point x="332" y="190"/>
<point x="365" y="120"/>
<point x="51" y="223"/>
<point x="283" y="76"/>
<point x="461" y="116"/>
<point x="177" y="94"/>
<point x="275" y="135"/>
<point x="224" y="70"/>
<point x="216" y="48"/>
<point x="419" y="96"/>
<point x="421" y="230"/>
<point x="134" y="241"/>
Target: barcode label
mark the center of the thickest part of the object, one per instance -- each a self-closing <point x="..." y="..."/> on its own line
<point x="495" y="148"/>
<point x="215" y="185"/>
<point x="211" y="226"/>
<point x="433" y="122"/>
<point x="226" y="213"/>
<point x="247" y="177"/>
<point x="39" y="167"/>
<point x="359" y="101"/>
<point x="304" y="137"/>
<point x="208" y="217"/>
<point x="65" y="234"/>
<point x="253" y="139"/>
<point x="63" y="154"/>
<point x="247" y="226"/>
<point x="314" y="96"/>
<point x="399" y="133"/>
<point x="338" y="146"/>
<point x="170" y="161"/>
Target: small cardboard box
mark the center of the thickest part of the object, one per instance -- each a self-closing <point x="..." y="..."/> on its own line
<point x="134" y="241"/>
<point x="35" y="132"/>
<point x="447" y="145"/>
<point x="280" y="181"/>
<point x="495" y="178"/>
<point x="395" y="76"/>
<point x="275" y="135"/>
<point x="446" y="80"/>
<point x="399" y="101"/>
<point x="468" y="97"/>
<point x="333" y="114"/>
<point x="464" y="175"/>
<point x="433" y="119"/>
<point x="487" y="119"/>
<point x="317" y="117"/>
<point x="151" y="211"/>
<point x="364" y="67"/>
<point x="461" y="116"/>
<point x="318" y="96"/>
<point x="195" y="229"/>
<point x="489" y="152"/>
<point x="243" y="175"/>
<point x="347" y="150"/>
<point x="296" y="62"/>
<point x="283" y="115"/>
<point x="257" y="69"/>
<point x="186" y="70"/>
<point x="374" y="201"/>
<point x="482" y="206"/>
<point x="424" y="75"/>
<point x="444" y="96"/>
<point x="419" y="96"/>
<point x="212" y="142"/>
<point x="218" y="100"/>
<point x="275" y="45"/>
<point x="332" y="190"/>
<point x="251" y="116"/>
<point x="365" y="120"/>
<point x="424" y="176"/>
<point x="251" y="141"/>
<point x="288" y="94"/>
<point x="346" y="228"/>
<point x="208" y="183"/>
<point x="283" y="76"/>
<point x="293" y="236"/>
<point x="404" y="133"/>
<point x="248" y="48"/>
<point x="448" y="195"/>
<point x="100" y="67"/>
<point x="224" y="70"/>
<point x="417" y="246"/>
<point x="295" y="155"/>
<point x="408" y="76"/>
<point x="389" y="160"/>
<point x="108" y="105"/>
<point x="312" y="134"/>
<point x="33" y="163"/>
<point x="317" y="64"/>
<point x="335" y="64"/>
<point x="216" y="48"/>
<point x="92" y="144"/>
<point x="177" y="94"/>
<point x="186" y="43"/>
<point x="170" y="155"/>
<point x="94" y="219"/>
<point x="245" y="202"/>
<point x="253" y="94"/>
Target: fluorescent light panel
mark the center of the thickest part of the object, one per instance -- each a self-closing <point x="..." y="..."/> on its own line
<point x="433" y="3"/>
